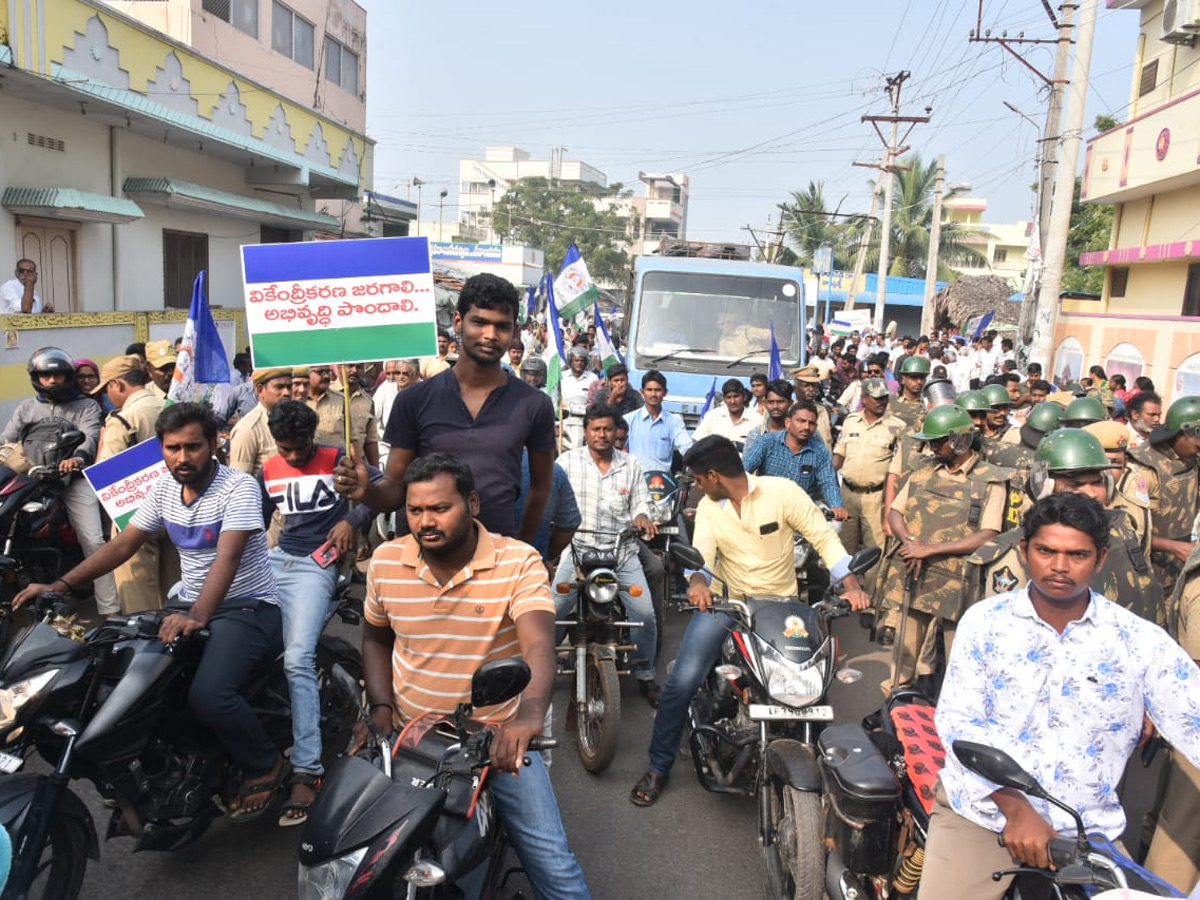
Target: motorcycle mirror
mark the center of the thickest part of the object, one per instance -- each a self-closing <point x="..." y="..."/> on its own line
<point x="499" y="680"/>
<point x="68" y="441"/>
<point x="687" y="556"/>
<point x="997" y="767"/>
<point x="347" y="684"/>
<point x="864" y="559"/>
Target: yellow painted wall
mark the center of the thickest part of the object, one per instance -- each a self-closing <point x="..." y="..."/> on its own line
<point x="1155" y="289"/>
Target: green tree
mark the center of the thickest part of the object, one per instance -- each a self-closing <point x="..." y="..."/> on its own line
<point x="808" y="224"/>
<point x="538" y="214"/>
<point x="912" y="219"/>
<point x="1091" y="227"/>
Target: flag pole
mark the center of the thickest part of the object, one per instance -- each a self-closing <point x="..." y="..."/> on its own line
<point x="346" y="405"/>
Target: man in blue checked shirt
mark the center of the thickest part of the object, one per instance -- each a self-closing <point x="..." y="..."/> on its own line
<point x="799" y="455"/>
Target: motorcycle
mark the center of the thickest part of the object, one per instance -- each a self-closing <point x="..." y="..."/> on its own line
<point x="419" y="819"/>
<point x="111" y="708"/>
<point x="879" y="791"/>
<point x="600" y="647"/>
<point x="39" y="543"/>
<point x="755" y="721"/>
<point x="668" y="500"/>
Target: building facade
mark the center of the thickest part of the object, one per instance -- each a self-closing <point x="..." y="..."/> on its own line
<point x="1147" y="322"/>
<point x="1003" y="246"/>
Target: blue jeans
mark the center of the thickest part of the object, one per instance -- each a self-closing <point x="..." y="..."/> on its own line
<point x="305" y="592"/>
<point x="530" y="815"/>
<point x="639" y="609"/>
<point x="698" y="653"/>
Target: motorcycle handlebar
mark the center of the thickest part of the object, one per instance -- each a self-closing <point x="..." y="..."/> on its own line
<point x="1064" y="852"/>
<point x="539" y="743"/>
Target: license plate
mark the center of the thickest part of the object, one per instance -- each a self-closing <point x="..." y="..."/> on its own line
<point x="668" y="529"/>
<point x="10" y="763"/>
<point x="771" y="712"/>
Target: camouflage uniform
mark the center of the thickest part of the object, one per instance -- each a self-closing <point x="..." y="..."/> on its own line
<point x="911" y="412"/>
<point x="1157" y="477"/>
<point x="1008" y="454"/>
<point x="939" y="506"/>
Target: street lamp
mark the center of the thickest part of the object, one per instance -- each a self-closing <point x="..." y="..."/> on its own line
<point x="441" y="200"/>
<point x="418" y="184"/>
<point x="491" y="183"/>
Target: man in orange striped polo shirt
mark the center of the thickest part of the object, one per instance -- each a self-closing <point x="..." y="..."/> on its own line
<point x="442" y="601"/>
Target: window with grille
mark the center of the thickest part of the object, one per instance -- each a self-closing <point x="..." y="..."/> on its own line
<point x="1149" y="79"/>
<point x="185" y="254"/>
<point x="241" y="14"/>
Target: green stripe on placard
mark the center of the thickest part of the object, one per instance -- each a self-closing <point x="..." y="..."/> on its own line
<point x="123" y="519"/>
<point x="331" y="345"/>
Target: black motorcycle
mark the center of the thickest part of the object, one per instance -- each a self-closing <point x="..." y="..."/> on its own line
<point x="39" y="543"/>
<point x="668" y="499"/>
<point x="112" y="709"/>
<point x="755" y="720"/>
<point x="600" y="644"/>
<point x="879" y="794"/>
<point x="419" y="818"/>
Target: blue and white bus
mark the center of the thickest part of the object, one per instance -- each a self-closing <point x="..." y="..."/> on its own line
<point x="698" y="319"/>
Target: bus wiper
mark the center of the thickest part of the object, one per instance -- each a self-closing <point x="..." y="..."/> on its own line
<point x="741" y="359"/>
<point x="659" y="359"/>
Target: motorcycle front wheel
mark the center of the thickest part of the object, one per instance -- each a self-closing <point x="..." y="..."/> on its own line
<point x="59" y="874"/>
<point x="794" y="857"/>
<point x="599" y="714"/>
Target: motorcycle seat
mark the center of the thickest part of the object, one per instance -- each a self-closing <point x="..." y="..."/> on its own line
<point x="924" y="755"/>
<point x="16" y="492"/>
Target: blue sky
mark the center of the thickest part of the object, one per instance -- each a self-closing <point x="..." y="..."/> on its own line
<point x="751" y="99"/>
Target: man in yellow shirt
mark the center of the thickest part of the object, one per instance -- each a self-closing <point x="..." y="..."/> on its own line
<point x="744" y="529"/>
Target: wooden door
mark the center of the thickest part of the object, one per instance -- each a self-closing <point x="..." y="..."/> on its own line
<point x="52" y="247"/>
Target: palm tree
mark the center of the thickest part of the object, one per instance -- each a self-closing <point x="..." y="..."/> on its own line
<point x="912" y="219"/>
<point x="808" y="224"/>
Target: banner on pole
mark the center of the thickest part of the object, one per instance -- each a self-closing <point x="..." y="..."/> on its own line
<point x="326" y="302"/>
<point x="123" y="481"/>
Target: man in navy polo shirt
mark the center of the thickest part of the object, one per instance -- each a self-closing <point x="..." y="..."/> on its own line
<point x="477" y="411"/>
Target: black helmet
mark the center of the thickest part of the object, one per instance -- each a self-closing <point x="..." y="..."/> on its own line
<point x="535" y="366"/>
<point x="49" y="361"/>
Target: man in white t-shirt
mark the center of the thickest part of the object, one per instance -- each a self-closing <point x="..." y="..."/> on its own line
<point x="19" y="295"/>
<point x="214" y="516"/>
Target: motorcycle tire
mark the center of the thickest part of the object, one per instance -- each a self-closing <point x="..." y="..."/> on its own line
<point x="63" y="863"/>
<point x="337" y="719"/>
<point x="794" y="861"/>
<point x="599" y="715"/>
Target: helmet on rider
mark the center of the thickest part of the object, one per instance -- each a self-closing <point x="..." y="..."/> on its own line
<point x="1083" y="411"/>
<point x="996" y="396"/>
<point x="53" y="361"/>
<point x="534" y="371"/>
<point x="950" y="421"/>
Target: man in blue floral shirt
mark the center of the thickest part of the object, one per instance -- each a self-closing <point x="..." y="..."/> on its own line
<point x="1059" y="678"/>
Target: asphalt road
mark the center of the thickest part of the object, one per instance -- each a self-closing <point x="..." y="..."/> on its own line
<point x="691" y="845"/>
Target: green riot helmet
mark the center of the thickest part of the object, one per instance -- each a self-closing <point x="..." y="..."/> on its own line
<point x="950" y="421"/>
<point x="915" y="365"/>
<point x="996" y="396"/>
<point x="1071" y="450"/>
<point x="1084" y="411"/>
<point x="1042" y="419"/>
<point x="1182" y="416"/>
<point x="973" y="401"/>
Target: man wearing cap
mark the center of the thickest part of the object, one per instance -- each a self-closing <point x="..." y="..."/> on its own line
<point x="1162" y="473"/>
<point x="913" y="372"/>
<point x="330" y="407"/>
<point x="160" y="365"/>
<point x="300" y="377"/>
<point x="863" y="453"/>
<point x="731" y="419"/>
<point x="143" y="580"/>
<point x="250" y="442"/>
<point x="808" y="388"/>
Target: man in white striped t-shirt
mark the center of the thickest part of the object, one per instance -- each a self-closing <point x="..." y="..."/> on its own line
<point x="213" y="514"/>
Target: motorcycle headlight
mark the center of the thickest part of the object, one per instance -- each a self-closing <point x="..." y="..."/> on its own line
<point x="602" y="587"/>
<point x="14" y="696"/>
<point x="800" y="553"/>
<point x="329" y="880"/>
<point x="660" y="511"/>
<point x="793" y="684"/>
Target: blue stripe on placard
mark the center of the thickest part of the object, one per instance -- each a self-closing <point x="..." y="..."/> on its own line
<point x="325" y="260"/>
<point x="141" y="456"/>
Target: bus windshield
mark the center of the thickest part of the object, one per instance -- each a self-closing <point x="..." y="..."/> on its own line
<point x="710" y="316"/>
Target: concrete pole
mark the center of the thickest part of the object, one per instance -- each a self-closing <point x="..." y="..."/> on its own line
<point x="885" y="234"/>
<point x="1055" y="250"/>
<point x="860" y="260"/>
<point x="1054" y="110"/>
<point x="935" y="237"/>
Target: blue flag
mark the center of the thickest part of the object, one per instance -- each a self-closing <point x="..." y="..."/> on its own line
<point x="774" y="367"/>
<point x="531" y="302"/>
<point x="607" y="350"/>
<point x="201" y="355"/>
<point x="556" y="358"/>
<point x="983" y="323"/>
<point x="709" y="398"/>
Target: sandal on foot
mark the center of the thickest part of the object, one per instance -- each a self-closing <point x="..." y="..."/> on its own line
<point x="267" y="784"/>
<point x="652" y="691"/>
<point x="308" y="780"/>
<point x="647" y="791"/>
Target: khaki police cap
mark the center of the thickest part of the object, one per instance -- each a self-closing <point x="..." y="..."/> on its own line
<point x="811" y="374"/>
<point x="117" y="367"/>
<point x="161" y="353"/>
<point x="262" y="376"/>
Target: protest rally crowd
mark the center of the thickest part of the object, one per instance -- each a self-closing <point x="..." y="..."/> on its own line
<point x="1039" y="524"/>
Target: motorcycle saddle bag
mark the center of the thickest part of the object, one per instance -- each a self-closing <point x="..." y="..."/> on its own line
<point x="862" y="817"/>
<point x="418" y="752"/>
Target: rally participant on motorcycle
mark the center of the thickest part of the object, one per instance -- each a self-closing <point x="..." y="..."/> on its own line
<point x="213" y="515"/>
<point x="36" y="425"/>
<point x="612" y="496"/>
<point x="298" y="483"/>
<point x="745" y="528"/>
<point x="1060" y="678"/>
<point x="574" y="386"/>
<point x="732" y="419"/>
<point x="795" y="454"/>
<point x="445" y="599"/>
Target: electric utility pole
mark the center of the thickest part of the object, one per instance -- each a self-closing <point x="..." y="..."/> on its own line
<point x="892" y="152"/>
<point x="864" y="244"/>
<point x="935" y="237"/>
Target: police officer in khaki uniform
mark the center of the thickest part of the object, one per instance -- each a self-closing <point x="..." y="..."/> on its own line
<point x="914" y="371"/>
<point x="1072" y="460"/>
<point x="144" y="579"/>
<point x="160" y="365"/>
<point x="869" y="439"/>
<point x="330" y="407"/>
<point x="250" y="442"/>
<point x="1163" y="473"/>
<point x="949" y="506"/>
<point x="808" y="386"/>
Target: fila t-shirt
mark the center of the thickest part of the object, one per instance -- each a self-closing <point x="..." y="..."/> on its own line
<point x="305" y="498"/>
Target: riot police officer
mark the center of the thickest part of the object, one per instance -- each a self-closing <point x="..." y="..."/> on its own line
<point x="914" y="371"/>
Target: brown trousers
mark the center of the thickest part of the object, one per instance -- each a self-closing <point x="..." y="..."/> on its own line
<point x="960" y="858"/>
<point x="144" y="579"/>
<point x="1175" y="851"/>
